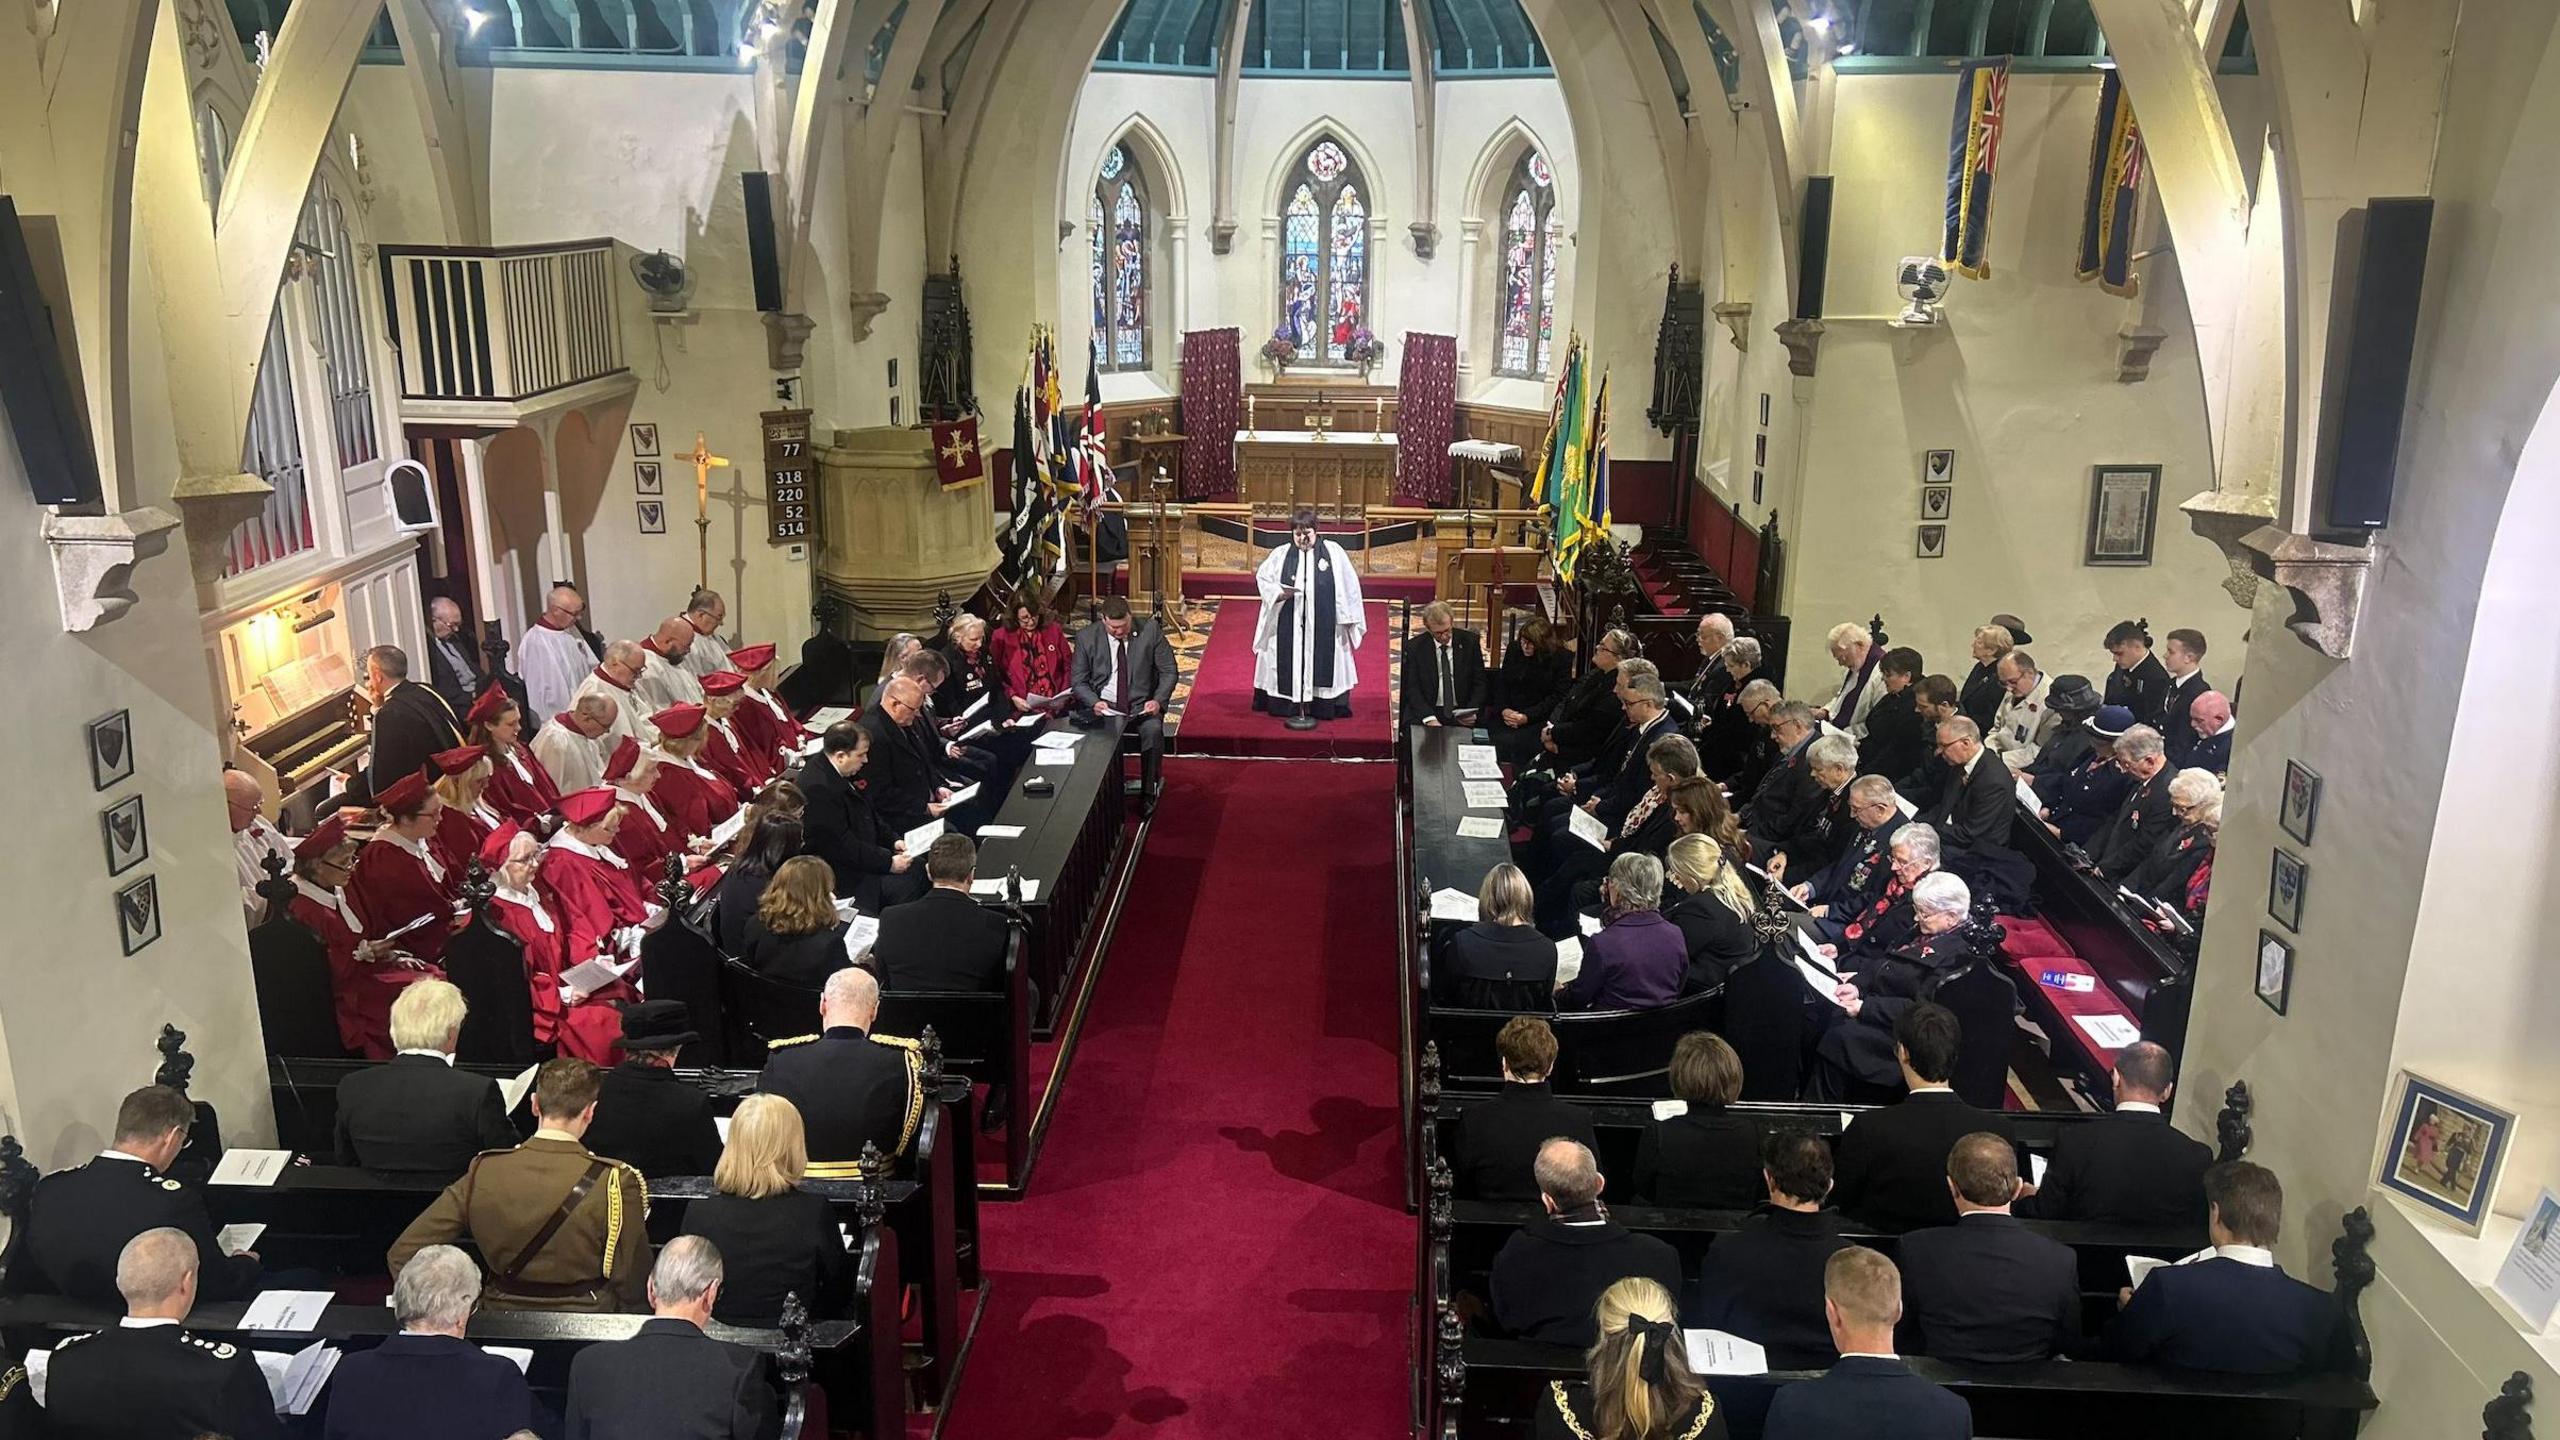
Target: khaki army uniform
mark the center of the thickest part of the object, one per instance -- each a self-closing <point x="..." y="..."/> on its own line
<point x="595" y="1258"/>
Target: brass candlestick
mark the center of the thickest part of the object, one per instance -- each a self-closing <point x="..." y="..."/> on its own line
<point x="1248" y="413"/>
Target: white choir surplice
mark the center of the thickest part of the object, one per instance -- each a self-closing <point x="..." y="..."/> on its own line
<point x="663" y="685"/>
<point x="571" y="758"/>
<point x="631" y="715"/>
<point x="253" y="846"/>
<point x="1351" y="624"/>
<point x="706" y="656"/>
<point x="552" y="663"/>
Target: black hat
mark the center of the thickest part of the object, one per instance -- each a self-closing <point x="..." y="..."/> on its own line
<point x="2016" y="627"/>
<point x="657" y="1025"/>
<point x="2072" y="695"/>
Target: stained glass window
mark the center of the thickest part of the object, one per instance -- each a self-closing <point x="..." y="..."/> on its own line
<point x="1116" y="221"/>
<point x="1324" y="255"/>
<point x="1532" y="234"/>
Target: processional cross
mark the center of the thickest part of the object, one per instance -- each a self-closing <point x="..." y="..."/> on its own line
<point x="702" y="461"/>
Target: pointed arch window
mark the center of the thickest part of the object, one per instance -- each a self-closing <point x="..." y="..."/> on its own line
<point x="1324" y="254"/>
<point x="1116" y="219"/>
<point x="1532" y="236"/>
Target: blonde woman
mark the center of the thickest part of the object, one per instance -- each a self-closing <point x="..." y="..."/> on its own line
<point x="468" y="819"/>
<point x="1980" y="698"/>
<point x="1500" y="962"/>
<point x="1640" y="1385"/>
<point x="774" y="1238"/>
<point x="1713" y="911"/>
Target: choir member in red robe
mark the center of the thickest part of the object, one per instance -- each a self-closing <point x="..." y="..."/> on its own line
<point x="762" y="717"/>
<point x="583" y="1025"/>
<point x="604" y="901"/>
<point x="519" y="788"/>
<point x="691" y="793"/>
<point x="401" y="890"/>
<point x="462" y="782"/>
<point x="364" y="976"/>
<point x="729" y="752"/>
<point x="645" y="837"/>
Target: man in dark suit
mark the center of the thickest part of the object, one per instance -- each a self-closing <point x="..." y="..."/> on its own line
<point x="2132" y="1168"/>
<point x="2145" y="819"/>
<point x="1789" y="797"/>
<point x="852" y="1088"/>
<point x="1851" y="883"/>
<point x="1893" y="1161"/>
<point x="1763" y="1282"/>
<point x="1583" y="720"/>
<point x="904" y="785"/>
<point x="146" y="1379"/>
<point x="646" y="1116"/>
<point x="671" y="1381"/>
<point x="2182" y="655"/>
<point x="1868" y="1394"/>
<point x="416" y="1117"/>
<point x="427" y="1382"/>
<point x="1936" y="699"/>
<point x="843" y="827"/>
<point x="943" y="939"/>
<point x="1987" y="1288"/>
<point x="454" y="667"/>
<point x="1551" y="1272"/>
<point x="1980" y="800"/>
<point x="1609" y="794"/>
<point x="82" y="1218"/>
<point x="2230" y="1308"/>
<point x="2209" y="726"/>
<point x="1896" y="737"/>
<point x="1498" y="1139"/>
<point x="1443" y="672"/>
<point x="1125" y="667"/>
<point x="411" y="722"/>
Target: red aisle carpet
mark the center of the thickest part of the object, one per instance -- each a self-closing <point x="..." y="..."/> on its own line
<point x="1219" y="718"/>
<point x="1215" y="1244"/>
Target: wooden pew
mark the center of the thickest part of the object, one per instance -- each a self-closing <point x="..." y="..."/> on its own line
<point x="2153" y="978"/>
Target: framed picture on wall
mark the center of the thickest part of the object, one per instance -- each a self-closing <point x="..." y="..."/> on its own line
<point x="2285" y="882"/>
<point x="2275" y="970"/>
<point x="1764" y="407"/>
<point x="1938" y="467"/>
<point x="138" y="913"/>
<point x="1933" y="542"/>
<point x="128" y="841"/>
<point x="644" y="441"/>
<point x="1937" y="501"/>
<point x="2124" y="505"/>
<point x="2445" y="1150"/>
<point x="653" y="517"/>
<point x="2301" y="801"/>
<point x="646" y="477"/>
<point x="110" y="750"/>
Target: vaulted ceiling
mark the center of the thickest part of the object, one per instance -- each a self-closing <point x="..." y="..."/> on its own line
<point x="1324" y="37"/>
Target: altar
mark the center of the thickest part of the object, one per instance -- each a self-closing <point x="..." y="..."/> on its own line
<point x="1336" y="474"/>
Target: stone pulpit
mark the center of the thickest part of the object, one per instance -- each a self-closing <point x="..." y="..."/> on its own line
<point x="892" y="538"/>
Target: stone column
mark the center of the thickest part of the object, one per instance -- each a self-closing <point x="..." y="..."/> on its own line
<point x="892" y="538"/>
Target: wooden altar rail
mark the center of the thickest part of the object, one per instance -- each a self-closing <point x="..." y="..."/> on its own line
<point x="1469" y="521"/>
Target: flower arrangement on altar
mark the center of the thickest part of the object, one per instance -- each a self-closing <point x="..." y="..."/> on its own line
<point x="1281" y="350"/>
<point x="1364" y="348"/>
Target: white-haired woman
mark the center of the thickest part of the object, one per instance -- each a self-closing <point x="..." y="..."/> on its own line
<point x="1980" y="697"/>
<point x="1859" y="1048"/>
<point x="973" y="674"/>
<point x="428" y="1379"/>
<point x="2169" y="876"/>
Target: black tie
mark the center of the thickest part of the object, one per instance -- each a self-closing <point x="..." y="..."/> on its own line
<point x="1120" y="666"/>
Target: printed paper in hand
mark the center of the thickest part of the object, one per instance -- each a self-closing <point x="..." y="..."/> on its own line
<point x="999" y="832"/>
<point x="1905" y="806"/>
<point x="1587" y="828"/>
<point x="1455" y="905"/>
<point x="921" y="836"/>
<point x="524" y="1358"/>
<point x="1713" y="1352"/>
<point x="1058" y="740"/>
<point x="983" y="727"/>
<point x="821" y="719"/>
<point x="593" y="975"/>
<point x="513" y="1090"/>
<point x="239" y="1239"/>
<point x="721" y="1124"/>
<point x="974" y="707"/>
<point x="1054" y="757"/>
<point x="1025" y="722"/>
<point x="995" y="889"/>
<point x="1479" y="767"/>
<point x="1813" y="954"/>
<point x="285" y="1310"/>
<point x="2036" y="1166"/>
<point x="1568" y="961"/>
<point x="1479" y="827"/>
<point x="1825" y="985"/>
<point x="861" y="935"/>
<point x="2112" y="1032"/>
<point x="1485" y="795"/>
<point x="2139" y="1266"/>
<point x="1591" y="924"/>
<point x="250" y="1167"/>
<point x="727" y="830"/>
<point x="294" y="1381"/>
<point x="2028" y="797"/>
<point x="1669" y="1109"/>
<point x="964" y="794"/>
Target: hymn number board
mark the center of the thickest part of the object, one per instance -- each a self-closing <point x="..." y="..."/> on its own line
<point x="790" y="479"/>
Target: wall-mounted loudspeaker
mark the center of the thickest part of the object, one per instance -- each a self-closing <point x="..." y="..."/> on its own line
<point x="2373" y="334"/>
<point x="762" y="256"/>
<point x="35" y="389"/>
<point x="1813" y="248"/>
<point x="413" y="495"/>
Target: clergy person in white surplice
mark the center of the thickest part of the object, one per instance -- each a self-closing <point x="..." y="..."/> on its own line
<point x="1311" y="627"/>
<point x="553" y="656"/>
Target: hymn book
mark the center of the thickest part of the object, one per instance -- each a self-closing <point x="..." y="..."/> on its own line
<point x="1587" y="828"/>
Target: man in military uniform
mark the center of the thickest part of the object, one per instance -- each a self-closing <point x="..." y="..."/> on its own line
<point x="559" y="1228"/>
<point x="147" y="1379"/>
<point x="81" y="1218"/>
<point x="849" y="1085"/>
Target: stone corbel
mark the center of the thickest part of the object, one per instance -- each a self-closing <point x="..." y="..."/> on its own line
<point x="214" y="506"/>
<point x="94" y="556"/>
<point x="1803" y="339"/>
<point x="1222" y="236"/>
<point x="2227" y="518"/>
<point x="1736" y="315"/>
<point x="1426" y="238"/>
<point x="2135" y="345"/>
<point x="785" y="338"/>
<point x="867" y="307"/>
<point x="2326" y="580"/>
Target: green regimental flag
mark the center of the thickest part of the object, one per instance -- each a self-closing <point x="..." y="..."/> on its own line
<point x="1564" y="476"/>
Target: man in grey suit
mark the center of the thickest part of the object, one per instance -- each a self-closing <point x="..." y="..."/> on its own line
<point x="1125" y="667"/>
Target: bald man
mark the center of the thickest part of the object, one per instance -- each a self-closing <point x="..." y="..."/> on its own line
<point x="454" y="668"/>
<point x="617" y="678"/>
<point x="851" y="1087"/>
<point x="706" y="612"/>
<point x="664" y="681"/>
<point x="552" y="655"/>
<point x="2209" y="721"/>
<point x="253" y="838"/>
<point x="147" y="1376"/>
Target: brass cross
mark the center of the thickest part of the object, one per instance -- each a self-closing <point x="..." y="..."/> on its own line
<point x="702" y="461"/>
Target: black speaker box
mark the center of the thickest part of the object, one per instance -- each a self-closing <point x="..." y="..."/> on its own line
<point x="1813" y="248"/>
<point x="2373" y="334"/>
<point x="43" y="411"/>
<point x="762" y="256"/>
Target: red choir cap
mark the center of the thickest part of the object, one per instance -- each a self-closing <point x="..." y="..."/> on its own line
<point x="493" y="702"/>
<point x="403" y="797"/>
<point x="326" y="836"/>
<point x="748" y="659"/>
<point x="678" y="721"/>
<point x="493" y="851"/>
<point x="589" y="807"/>
<point x="460" y="758"/>
<point x="618" y="764"/>
<point x="721" y="682"/>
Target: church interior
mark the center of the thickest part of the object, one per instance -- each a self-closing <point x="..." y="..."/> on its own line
<point x="1175" y="374"/>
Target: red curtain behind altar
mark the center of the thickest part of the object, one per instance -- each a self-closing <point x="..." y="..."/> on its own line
<point x="1426" y="419"/>
<point x="1212" y="404"/>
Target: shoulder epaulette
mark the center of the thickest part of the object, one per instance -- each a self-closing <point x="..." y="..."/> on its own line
<point x="772" y="1045"/>
<point x="73" y="1339"/>
<point x="16" y="1376"/>
<point x="900" y="1041"/>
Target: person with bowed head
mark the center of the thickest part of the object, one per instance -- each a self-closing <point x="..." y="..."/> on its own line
<point x="575" y="1022"/>
<point x="462" y="782"/>
<point x="647" y="835"/>
<point x="763" y="720"/>
<point x="519" y="787"/>
<point x="694" y="797"/>
<point x="400" y="889"/>
<point x="1638" y="1383"/>
<point x="725" y="747"/>
<point x="603" y="899"/>
<point x="365" y="976"/>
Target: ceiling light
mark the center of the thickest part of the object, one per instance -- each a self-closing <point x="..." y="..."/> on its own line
<point x="473" y="19"/>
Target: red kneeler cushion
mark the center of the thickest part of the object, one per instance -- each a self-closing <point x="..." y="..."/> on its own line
<point x="2034" y="947"/>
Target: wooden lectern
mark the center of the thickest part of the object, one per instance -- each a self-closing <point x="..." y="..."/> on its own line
<point x="1479" y="575"/>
